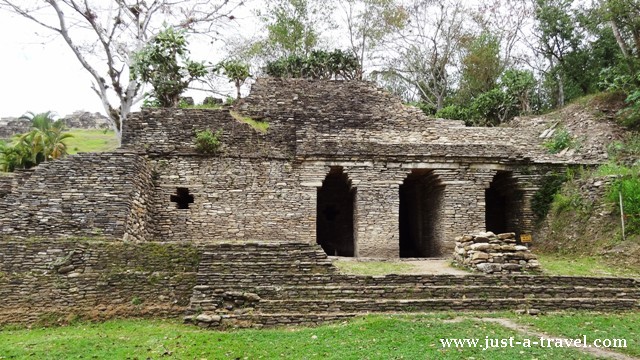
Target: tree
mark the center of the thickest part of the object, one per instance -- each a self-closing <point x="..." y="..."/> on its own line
<point x="164" y="64"/>
<point x="557" y="38"/>
<point x="293" y="28"/>
<point x="427" y="48"/>
<point x="46" y="138"/>
<point x="481" y="66"/>
<point x="370" y="22"/>
<point x="509" y="21"/>
<point x="104" y="34"/>
<point x="44" y="142"/>
<point x="624" y="19"/>
<point x="236" y="71"/>
<point x="319" y="64"/>
<point x="518" y="86"/>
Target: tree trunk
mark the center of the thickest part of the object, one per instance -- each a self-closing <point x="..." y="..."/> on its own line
<point x="616" y="32"/>
<point x="560" y="91"/>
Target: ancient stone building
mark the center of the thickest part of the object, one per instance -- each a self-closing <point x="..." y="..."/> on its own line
<point x="342" y="164"/>
<point x="241" y="237"/>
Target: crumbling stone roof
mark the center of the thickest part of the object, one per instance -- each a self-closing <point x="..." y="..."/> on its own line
<point x="335" y="119"/>
<point x="343" y="118"/>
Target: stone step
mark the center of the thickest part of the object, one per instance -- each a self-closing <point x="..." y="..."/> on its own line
<point x="422" y="292"/>
<point x="261" y="278"/>
<point x="270" y="256"/>
<point x="425" y="305"/>
<point x="212" y="320"/>
<point x="289" y="250"/>
<point x="269" y="267"/>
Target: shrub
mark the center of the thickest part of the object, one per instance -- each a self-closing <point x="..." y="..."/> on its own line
<point x="626" y="152"/>
<point x="208" y="142"/>
<point x="490" y="108"/>
<point x="319" y="64"/>
<point x="454" y="112"/>
<point x="542" y="199"/>
<point x="561" y="140"/>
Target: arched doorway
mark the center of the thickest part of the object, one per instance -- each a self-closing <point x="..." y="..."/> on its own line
<point x="421" y="202"/>
<point x="335" y="214"/>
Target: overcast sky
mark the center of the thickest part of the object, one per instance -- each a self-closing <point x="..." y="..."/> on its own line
<point x="38" y="71"/>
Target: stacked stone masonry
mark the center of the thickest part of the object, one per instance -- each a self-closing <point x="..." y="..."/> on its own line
<point x="296" y="284"/>
<point x="93" y="279"/>
<point x="491" y="253"/>
<point x="256" y="284"/>
<point x="265" y="186"/>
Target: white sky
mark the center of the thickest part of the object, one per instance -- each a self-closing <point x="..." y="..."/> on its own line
<point x="39" y="73"/>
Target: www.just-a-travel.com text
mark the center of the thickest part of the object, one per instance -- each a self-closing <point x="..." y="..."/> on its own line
<point x="511" y="342"/>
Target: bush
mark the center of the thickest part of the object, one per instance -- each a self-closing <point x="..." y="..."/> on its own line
<point x="454" y="112"/>
<point x="629" y="187"/>
<point x="208" y="142"/>
<point x="490" y="108"/>
<point x="561" y="140"/>
<point x="542" y="199"/>
<point x="319" y="64"/>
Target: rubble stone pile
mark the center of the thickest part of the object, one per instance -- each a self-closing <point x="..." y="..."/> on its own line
<point x="491" y="253"/>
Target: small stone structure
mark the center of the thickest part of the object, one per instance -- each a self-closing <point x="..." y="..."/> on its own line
<point x="491" y="253"/>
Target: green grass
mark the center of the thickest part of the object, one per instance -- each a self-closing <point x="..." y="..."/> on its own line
<point x="374" y="337"/>
<point x="372" y="267"/>
<point x="91" y="141"/>
<point x="582" y="266"/>
<point x="593" y="325"/>
<point x="616" y="169"/>
<point x="260" y="126"/>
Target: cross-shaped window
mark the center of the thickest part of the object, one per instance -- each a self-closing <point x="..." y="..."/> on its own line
<point x="182" y="198"/>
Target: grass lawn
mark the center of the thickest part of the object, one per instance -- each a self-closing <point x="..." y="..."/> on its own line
<point x="582" y="266"/>
<point x="593" y="325"/>
<point x="373" y="337"/>
<point x="372" y="267"/>
<point x="91" y="141"/>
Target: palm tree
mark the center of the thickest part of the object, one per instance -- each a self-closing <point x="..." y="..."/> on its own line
<point x="46" y="138"/>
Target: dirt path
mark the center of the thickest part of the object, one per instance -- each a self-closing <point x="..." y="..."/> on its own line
<point x="434" y="267"/>
<point x="528" y="331"/>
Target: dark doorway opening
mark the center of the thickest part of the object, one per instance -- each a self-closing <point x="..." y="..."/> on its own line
<point x="335" y="213"/>
<point x="421" y="202"/>
<point x="503" y="204"/>
<point x="182" y="198"/>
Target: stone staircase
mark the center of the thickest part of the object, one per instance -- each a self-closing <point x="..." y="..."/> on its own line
<point x="272" y="284"/>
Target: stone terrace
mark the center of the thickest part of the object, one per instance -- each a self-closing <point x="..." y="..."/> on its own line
<point x="262" y="284"/>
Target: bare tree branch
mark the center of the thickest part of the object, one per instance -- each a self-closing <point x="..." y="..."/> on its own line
<point x="105" y="34"/>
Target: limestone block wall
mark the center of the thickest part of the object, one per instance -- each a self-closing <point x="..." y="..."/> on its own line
<point x="172" y="131"/>
<point x="233" y="199"/>
<point x="6" y="181"/>
<point x="96" y="279"/>
<point x="81" y="195"/>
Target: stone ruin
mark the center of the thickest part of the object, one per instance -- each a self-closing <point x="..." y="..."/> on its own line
<point x="490" y="253"/>
<point x="342" y="164"/>
<point x="343" y="169"/>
